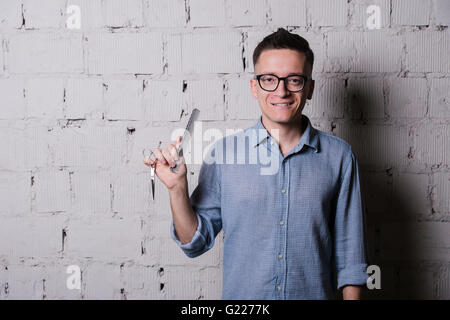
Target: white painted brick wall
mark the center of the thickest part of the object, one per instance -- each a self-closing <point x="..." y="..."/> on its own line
<point x="169" y="13"/>
<point x="84" y="98"/>
<point x="79" y="107"/>
<point x="10" y="14"/>
<point x="13" y="99"/>
<point x="418" y="12"/>
<point x="328" y="13"/>
<point x="43" y="14"/>
<point x="51" y="53"/>
<point x="288" y="12"/>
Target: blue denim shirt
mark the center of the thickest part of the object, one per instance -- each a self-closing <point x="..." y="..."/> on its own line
<point x="295" y="232"/>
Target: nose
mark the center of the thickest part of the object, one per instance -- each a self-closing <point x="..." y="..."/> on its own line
<point x="282" y="91"/>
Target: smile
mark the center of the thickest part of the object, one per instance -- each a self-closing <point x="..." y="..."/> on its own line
<point x="287" y="104"/>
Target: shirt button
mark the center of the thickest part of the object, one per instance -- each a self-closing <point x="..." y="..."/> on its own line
<point x="283" y="190"/>
<point x="281" y="222"/>
<point x="280" y="256"/>
<point x="278" y="287"/>
<point x="271" y="142"/>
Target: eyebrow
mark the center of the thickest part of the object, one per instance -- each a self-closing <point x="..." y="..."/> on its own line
<point x="289" y="74"/>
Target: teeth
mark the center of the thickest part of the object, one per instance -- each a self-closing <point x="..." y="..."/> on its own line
<point x="281" y="104"/>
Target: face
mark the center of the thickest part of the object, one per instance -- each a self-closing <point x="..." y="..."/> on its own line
<point x="282" y="107"/>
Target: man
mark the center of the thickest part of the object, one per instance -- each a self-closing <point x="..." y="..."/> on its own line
<point x="290" y="234"/>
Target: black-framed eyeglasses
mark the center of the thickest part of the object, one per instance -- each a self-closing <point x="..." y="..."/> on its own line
<point x="292" y="83"/>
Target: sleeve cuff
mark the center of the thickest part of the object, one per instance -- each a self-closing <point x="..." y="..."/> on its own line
<point x="197" y="242"/>
<point x="353" y="275"/>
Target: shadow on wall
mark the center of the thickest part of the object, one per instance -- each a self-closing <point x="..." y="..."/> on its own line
<point x="403" y="236"/>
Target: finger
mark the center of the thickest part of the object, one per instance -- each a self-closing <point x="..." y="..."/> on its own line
<point x="178" y="142"/>
<point x="168" y="157"/>
<point x="149" y="161"/>
<point x="159" y="156"/>
<point x="173" y="152"/>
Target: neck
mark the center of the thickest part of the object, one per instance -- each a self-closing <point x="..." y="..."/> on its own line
<point x="288" y="134"/>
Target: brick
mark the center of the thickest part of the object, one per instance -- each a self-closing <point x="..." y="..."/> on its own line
<point x="119" y="53"/>
<point x="377" y="192"/>
<point x="15" y="193"/>
<point x="253" y="38"/>
<point x="23" y="282"/>
<point x="56" y="276"/>
<point x="288" y="12"/>
<point x="10" y="14"/>
<point x="24" y="148"/>
<point x="211" y="104"/>
<point x="417" y="47"/>
<point x="328" y="99"/>
<point x="361" y="16"/>
<point x="376" y="146"/>
<point x="212" y="52"/>
<point x="45" y="53"/>
<point x="91" y="191"/>
<point x="439" y="102"/>
<point x="328" y="13"/>
<point x="52" y="190"/>
<point x="415" y="282"/>
<point x="43" y="14"/>
<point x="411" y="12"/>
<point x="91" y="14"/>
<point x="123" y="99"/>
<point x="207" y="13"/>
<point x="180" y="283"/>
<point x="169" y="13"/>
<point x="418" y="241"/>
<point x="104" y="238"/>
<point x="442" y="12"/>
<point x="441" y="190"/>
<point x="131" y="192"/>
<point x="240" y="102"/>
<point x="363" y="52"/>
<point x="407" y="97"/>
<point x="84" y="98"/>
<point x="247" y="13"/>
<point x="142" y="281"/>
<point x="163" y="100"/>
<point x="430" y="144"/>
<point x="211" y="283"/>
<point x="89" y="146"/>
<point x="13" y="100"/>
<point x="173" y="54"/>
<point x="34" y="281"/>
<point x="410" y="191"/>
<point x="317" y="44"/>
<point x="102" y="281"/>
<point x="45" y="97"/>
<point x="365" y="98"/>
<point x="120" y="13"/>
<point x="31" y="237"/>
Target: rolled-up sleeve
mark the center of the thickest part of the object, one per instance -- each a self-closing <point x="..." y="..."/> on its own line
<point x="205" y="201"/>
<point x="349" y="229"/>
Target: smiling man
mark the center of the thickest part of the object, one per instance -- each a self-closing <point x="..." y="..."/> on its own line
<point x="297" y="233"/>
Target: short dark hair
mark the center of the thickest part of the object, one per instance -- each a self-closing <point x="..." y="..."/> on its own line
<point x="283" y="39"/>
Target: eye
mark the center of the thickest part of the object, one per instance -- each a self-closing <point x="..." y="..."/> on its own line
<point x="268" y="79"/>
<point x="295" y="81"/>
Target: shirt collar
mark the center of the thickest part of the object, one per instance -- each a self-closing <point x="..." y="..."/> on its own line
<point x="310" y="136"/>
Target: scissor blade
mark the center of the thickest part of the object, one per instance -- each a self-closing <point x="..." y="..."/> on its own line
<point x="153" y="188"/>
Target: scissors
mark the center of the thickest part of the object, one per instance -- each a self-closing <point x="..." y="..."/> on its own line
<point x="152" y="173"/>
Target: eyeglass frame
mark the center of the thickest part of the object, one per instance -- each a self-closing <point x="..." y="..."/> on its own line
<point x="305" y="78"/>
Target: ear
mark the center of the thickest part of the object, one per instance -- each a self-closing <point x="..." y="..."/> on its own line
<point x="253" y="88"/>
<point x="311" y="89"/>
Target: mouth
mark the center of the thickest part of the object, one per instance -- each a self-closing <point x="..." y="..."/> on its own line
<point x="283" y="105"/>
